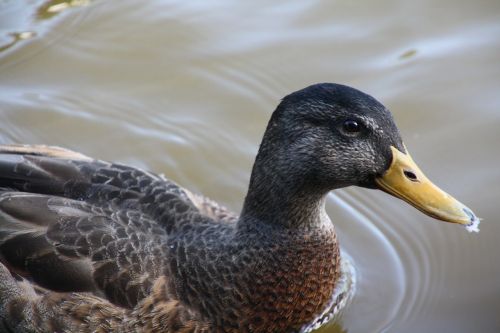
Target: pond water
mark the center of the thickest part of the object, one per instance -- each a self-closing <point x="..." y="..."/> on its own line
<point x="186" y="89"/>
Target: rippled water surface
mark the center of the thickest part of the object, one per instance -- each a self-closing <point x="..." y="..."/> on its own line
<point x="186" y="88"/>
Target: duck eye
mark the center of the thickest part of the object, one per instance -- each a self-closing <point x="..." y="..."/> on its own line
<point x="351" y="126"/>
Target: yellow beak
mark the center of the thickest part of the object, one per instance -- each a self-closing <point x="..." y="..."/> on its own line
<point x="405" y="180"/>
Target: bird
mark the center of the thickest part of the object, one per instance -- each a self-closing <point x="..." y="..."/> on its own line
<point x="92" y="246"/>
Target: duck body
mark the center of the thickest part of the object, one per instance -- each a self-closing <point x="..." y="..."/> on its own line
<point x="93" y="246"/>
<point x="110" y="229"/>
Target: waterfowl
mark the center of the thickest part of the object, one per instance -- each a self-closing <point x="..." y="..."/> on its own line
<point x="93" y="246"/>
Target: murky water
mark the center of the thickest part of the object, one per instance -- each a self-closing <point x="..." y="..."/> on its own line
<point x="186" y="88"/>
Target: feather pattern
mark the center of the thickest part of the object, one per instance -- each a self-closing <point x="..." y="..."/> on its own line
<point x="72" y="224"/>
<point x="94" y="246"/>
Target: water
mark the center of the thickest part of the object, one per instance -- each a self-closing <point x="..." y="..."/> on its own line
<point x="186" y="88"/>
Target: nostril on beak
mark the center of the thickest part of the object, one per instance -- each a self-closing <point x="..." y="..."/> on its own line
<point x="411" y="175"/>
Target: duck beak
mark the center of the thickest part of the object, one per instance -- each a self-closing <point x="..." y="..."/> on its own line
<point x="406" y="181"/>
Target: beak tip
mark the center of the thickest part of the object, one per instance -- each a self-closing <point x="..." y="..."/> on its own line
<point x="473" y="226"/>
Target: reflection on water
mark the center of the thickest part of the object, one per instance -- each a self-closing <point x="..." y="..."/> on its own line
<point x="186" y="88"/>
<point x="408" y="54"/>
<point x="51" y="8"/>
<point x="23" y="20"/>
<point x="17" y="37"/>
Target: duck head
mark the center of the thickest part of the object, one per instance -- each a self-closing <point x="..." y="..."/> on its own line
<point x="328" y="136"/>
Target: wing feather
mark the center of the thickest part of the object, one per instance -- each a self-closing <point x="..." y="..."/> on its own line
<point x="70" y="223"/>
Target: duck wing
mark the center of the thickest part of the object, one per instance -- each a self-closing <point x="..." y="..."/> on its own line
<point x="62" y="172"/>
<point x="66" y="245"/>
<point x="71" y="223"/>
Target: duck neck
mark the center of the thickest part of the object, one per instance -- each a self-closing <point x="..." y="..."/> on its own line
<point x="281" y="195"/>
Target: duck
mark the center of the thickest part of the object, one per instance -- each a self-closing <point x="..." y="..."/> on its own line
<point x="93" y="246"/>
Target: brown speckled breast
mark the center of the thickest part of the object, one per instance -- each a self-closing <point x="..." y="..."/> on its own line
<point x="294" y="288"/>
<point x="277" y="281"/>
